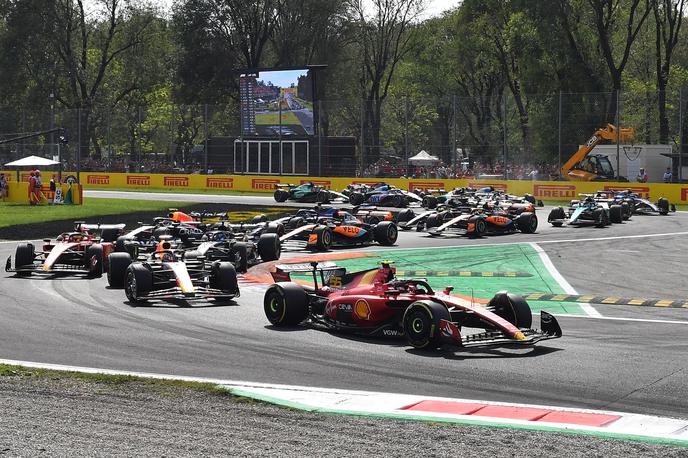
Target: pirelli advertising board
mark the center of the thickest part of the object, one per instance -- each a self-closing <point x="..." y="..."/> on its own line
<point x="546" y="190"/>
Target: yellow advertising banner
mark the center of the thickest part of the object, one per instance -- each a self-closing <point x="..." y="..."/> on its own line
<point x="19" y="193"/>
<point x="546" y="190"/>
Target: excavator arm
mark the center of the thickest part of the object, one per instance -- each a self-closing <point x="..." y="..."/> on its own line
<point x="577" y="168"/>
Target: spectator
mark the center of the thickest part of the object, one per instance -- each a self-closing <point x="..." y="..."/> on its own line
<point x="667" y="175"/>
<point x="642" y="176"/>
<point x="3" y="187"/>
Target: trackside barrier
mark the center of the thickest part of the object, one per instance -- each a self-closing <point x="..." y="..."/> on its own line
<point x="547" y="190"/>
<point x="19" y="193"/>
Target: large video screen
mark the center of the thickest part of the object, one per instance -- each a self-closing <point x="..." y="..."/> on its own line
<point x="277" y="103"/>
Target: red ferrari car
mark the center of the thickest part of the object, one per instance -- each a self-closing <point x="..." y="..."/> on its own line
<point x="375" y="303"/>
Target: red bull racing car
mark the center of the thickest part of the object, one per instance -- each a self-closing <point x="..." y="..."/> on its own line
<point x="375" y="303"/>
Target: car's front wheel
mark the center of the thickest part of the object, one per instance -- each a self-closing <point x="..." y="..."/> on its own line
<point x="421" y="324"/>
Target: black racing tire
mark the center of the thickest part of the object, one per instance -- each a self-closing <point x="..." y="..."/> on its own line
<point x="281" y="195"/>
<point x="434" y="220"/>
<point x="386" y="233"/>
<point x="121" y="242"/>
<point x="626" y="211"/>
<point x="599" y="216"/>
<point x="138" y="281"/>
<point x="396" y="201"/>
<point x="296" y="222"/>
<point x="616" y="214"/>
<point x="258" y="219"/>
<point x="324" y="238"/>
<point x="23" y="257"/>
<point x="480" y="226"/>
<point x="117" y="269"/>
<point x="372" y="219"/>
<point x="527" y="223"/>
<point x="356" y="198"/>
<point x="274" y="228"/>
<point x="529" y="198"/>
<point x="240" y="252"/>
<point x="286" y="304"/>
<point x="421" y="324"/>
<point x="322" y="197"/>
<point x="405" y="215"/>
<point x="556" y="215"/>
<point x="96" y="267"/>
<point x="269" y="247"/>
<point x="223" y="276"/>
<point x="429" y="202"/>
<point x="513" y="308"/>
<point x="110" y="234"/>
<point x="663" y="205"/>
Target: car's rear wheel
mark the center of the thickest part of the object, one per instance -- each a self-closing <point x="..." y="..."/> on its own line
<point x="275" y="228"/>
<point x="281" y="195"/>
<point x="322" y="197"/>
<point x="406" y="215"/>
<point x="23" y="257"/>
<point x="663" y="205"/>
<point x="556" y="217"/>
<point x="356" y="198"/>
<point x="269" y="247"/>
<point x="117" y="269"/>
<point x="429" y="202"/>
<point x="386" y="233"/>
<point x="527" y="223"/>
<point x="616" y="214"/>
<point x="599" y="216"/>
<point x="513" y="308"/>
<point x="138" y="282"/>
<point x="223" y="276"/>
<point x="93" y="260"/>
<point x="626" y="211"/>
<point x="479" y="226"/>
<point x="240" y="252"/>
<point x="258" y="219"/>
<point x="421" y="323"/>
<point x="434" y="220"/>
<point x="286" y="304"/>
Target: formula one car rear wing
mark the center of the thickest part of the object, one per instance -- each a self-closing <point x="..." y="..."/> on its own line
<point x="325" y="269"/>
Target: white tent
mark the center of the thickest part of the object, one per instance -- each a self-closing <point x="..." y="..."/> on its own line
<point x="32" y="161"/>
<point x="423" y="158"/>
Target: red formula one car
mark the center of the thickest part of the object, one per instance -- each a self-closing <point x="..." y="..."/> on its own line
<point x="375" y="303"/>
<point x="82" y="251"/>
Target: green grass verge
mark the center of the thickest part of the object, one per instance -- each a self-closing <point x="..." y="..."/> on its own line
<point x="16" y="214"/>
<point x="273" y="119"/>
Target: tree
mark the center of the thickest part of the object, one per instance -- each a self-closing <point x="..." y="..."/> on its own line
<point x="383" y="41"/>
<point x="668" y="20"/>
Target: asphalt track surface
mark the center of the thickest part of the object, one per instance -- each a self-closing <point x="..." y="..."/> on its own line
<point x="634" y="359"/>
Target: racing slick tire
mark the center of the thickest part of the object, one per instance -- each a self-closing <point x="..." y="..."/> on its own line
<point x="223" y="276"/>
<point x="434" y="220"/>
<point x="110" y="234"/>
<point x="600" y="217"/>
<point x="269" y="247"/>
<point x="396" y="201"/>
<point x="429" y="202"/>
<point x="529" y="198"/>
<point x="324" y="238"/>
<point x="616" y="214"/>
<point x="421" y="323"/>
<point x="356" y="198"/>
<point x="275" y="228"/>
<point x="296" y="222"/>
<point x="406" y="215"/>
<point x="386" y="233"/>
<point x="281" y="195"/>
<point x="527" y="223"/>
<point x="121" y="242"/>
<point x="23" y="257"/>
<point x="372" y="219"/>
<point x="138" y="281"/>
<point x="322" y="197"/>
<point x="663" y="205"/>
<point x="556" y="216"/>
<point x="480" y="226"/>
<point x="513" y="308"/>
<point x="240" y="252"/>
<point x="117" y="269"/>
<point x="258" y="219"/>
<point x="626" y="211"/>
<point x="285" y="304"/>
<point x="94" y="259"/>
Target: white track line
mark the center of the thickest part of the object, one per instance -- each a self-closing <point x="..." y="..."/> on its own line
<point x="566" y="286"/>
<point x="615" y="318"/>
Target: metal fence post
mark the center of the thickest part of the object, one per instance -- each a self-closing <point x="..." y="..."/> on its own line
<point x="559" y="128"/>
<point x="680" y="135"/>
<point x="205" y="136"/>
<point x="506" y="168"/>
<point x="362" y="166"/>
<point x="618" y="137"/>
<point x="319" y="138"/>
<point x="78" y="148"/>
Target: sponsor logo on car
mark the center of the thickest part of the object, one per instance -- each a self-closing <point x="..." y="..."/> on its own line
<point x="391" y="332"/>
<point x="480" y="184"/>
<point x="423" y="185"/>
<point x="642" y="191"/>
<point x="362" y="309"/>
<point x="138" y="180"/>
<point x="98" y="179"/>
<point x="221" y="183"/>
<point x="263" y="183"/>
<point x="176" y="181"/>
<point x="567" y="191"/>
<point x="325" y="183"/>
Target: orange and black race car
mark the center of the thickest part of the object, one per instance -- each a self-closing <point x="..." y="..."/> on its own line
<point x="479" y="222"/>
<point x="338" y="229"/>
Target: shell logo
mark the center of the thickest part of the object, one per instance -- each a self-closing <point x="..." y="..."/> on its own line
<point x="362" y="309"/>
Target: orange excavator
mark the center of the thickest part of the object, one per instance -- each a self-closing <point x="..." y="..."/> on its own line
<point x="583" y="166"/>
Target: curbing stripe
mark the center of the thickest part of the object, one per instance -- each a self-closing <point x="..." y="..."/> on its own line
<point x="608" y="300"/>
